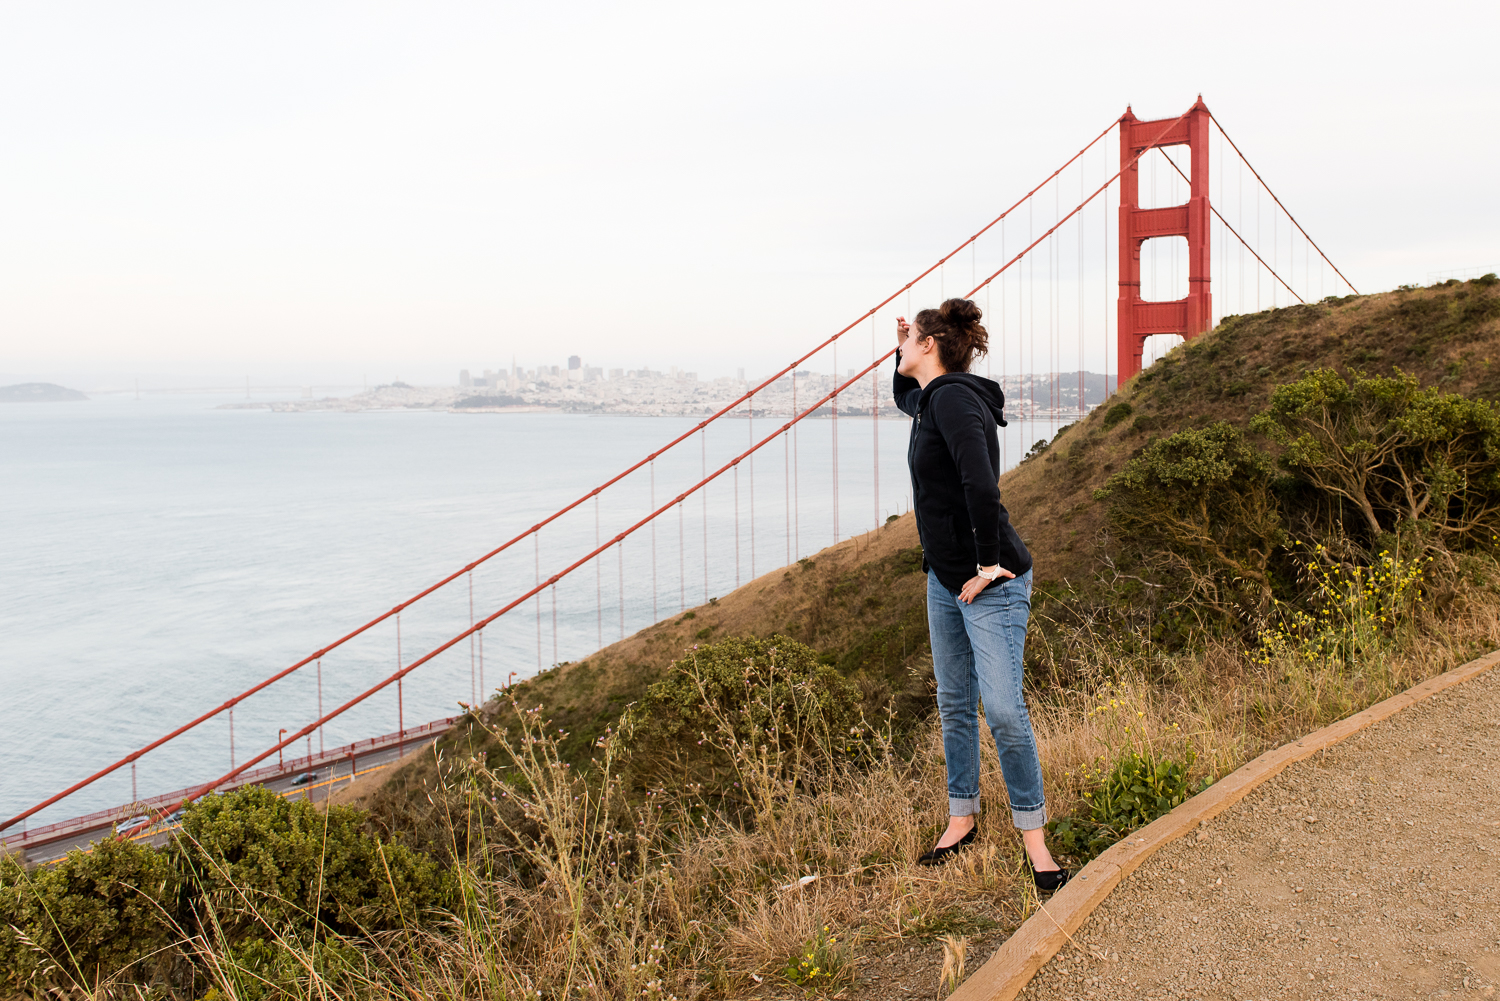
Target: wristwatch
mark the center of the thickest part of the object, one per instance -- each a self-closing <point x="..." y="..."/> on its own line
<point x="987" y="576"/>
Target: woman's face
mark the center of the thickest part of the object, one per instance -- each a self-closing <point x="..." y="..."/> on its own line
<point x="912" y="350"/>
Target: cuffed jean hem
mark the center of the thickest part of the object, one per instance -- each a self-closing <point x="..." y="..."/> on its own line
<point x="963" y="807"/>
<point x="1029" y="820"/>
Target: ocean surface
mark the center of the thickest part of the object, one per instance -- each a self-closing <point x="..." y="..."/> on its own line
<point x="160" y="555"/>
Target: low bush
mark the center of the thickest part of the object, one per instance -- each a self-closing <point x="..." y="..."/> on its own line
<point x="90" y="916"/>
<point x="1139" y="788"/>
<point x="259" y="862"/>
<point x="740" y="699"/>
<point x="248" y="869"/>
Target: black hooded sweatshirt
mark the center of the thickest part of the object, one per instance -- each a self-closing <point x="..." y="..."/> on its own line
<point x="954" y="456"/>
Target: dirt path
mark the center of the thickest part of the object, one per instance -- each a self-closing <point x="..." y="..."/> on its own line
<point x="1367" y="871"/>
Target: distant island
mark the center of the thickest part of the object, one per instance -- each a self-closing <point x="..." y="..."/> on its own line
<point x="38" y="392"/>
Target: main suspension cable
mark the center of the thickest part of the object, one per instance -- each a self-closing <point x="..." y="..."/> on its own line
<point x="1289" y="215"/>
<point x="1242" y="239"/>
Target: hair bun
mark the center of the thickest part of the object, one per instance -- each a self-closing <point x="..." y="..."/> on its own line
<point x="961" y="312"/>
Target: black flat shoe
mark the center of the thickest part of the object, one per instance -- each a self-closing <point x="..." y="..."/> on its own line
<point x="1048" y="880"/>
<point x="940" y="855"/>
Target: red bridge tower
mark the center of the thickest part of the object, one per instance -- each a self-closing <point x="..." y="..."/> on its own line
<point x="1191" y="316"/>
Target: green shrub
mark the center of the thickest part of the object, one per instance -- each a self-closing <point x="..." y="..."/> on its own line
<point x="1117" y="413"/>
<point x="247" y="866"/>
<point x="88" y="917"/>
<point x="1137" y="790"/>
<point x="261" y="860"/>
<point x="1197" y="506"/>
<point x="749" y="693"/>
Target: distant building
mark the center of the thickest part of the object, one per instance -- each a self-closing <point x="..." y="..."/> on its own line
<point x="617" y="373"/>
<point x="464" y="382"/>
<point x="574" y="363"/>
<point x="739" y="374"/>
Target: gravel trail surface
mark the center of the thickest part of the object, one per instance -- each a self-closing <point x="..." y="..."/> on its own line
<point x="1366" y="871"/>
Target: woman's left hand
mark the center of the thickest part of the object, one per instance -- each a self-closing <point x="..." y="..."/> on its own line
<point x="976" y="584"/>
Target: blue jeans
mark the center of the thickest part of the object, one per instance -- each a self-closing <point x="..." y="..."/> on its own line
<point x="976" y="653"/>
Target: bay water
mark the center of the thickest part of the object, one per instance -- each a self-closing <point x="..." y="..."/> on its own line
<point x="159" y="555"/>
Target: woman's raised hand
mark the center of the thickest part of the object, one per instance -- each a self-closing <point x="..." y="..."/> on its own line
<point x="903" y="330"/>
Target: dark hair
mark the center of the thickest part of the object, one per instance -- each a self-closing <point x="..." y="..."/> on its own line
<point x="961" y="337"/>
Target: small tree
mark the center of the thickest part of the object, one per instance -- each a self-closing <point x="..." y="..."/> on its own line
<point x="1394" y="451"/>
<point x="1197" y="506"/>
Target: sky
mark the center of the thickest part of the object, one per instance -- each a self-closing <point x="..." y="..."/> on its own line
<point x="294" y="193"/>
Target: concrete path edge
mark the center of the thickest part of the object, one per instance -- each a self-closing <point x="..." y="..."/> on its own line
<point x="1043" y="934"/>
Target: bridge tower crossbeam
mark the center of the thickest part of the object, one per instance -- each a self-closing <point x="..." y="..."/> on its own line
<point x="1139" y="319"/>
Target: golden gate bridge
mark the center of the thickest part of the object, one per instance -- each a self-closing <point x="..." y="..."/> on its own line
<point x="1119" y="267"/>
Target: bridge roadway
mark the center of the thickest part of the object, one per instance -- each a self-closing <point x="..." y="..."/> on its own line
<point x="330" y="771"/>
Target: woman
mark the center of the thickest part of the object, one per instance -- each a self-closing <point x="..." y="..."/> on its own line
<point x="978" y="574"/>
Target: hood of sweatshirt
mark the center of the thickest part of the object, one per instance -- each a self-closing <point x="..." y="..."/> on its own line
<point x="987" y="390"/>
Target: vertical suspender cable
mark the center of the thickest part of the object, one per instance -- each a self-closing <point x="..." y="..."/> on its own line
<point x="681" y="560"/>
<point x="875" y="419"/>
<point x="750" y="432"/>
<point x="1054" y="302"/>
<point x="834" y="403"/>
<point x="598" y="577"/>
<point x="655" y="615"/>
<point x="786" y="481"/>
<point x="320" y="704"/>
<point x="484" y="692"/>
<point x="473" y="666"/>
<point x="736" y="525"/>
<point x="400" y="697"/>
<point x="537" y="547"/>
<point x="1223" y="233"/>
<point x="796" y="495"/>
<point x="703" y="441"/>
<point x="231" y="738"/>
<point x="621" y="554"/>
